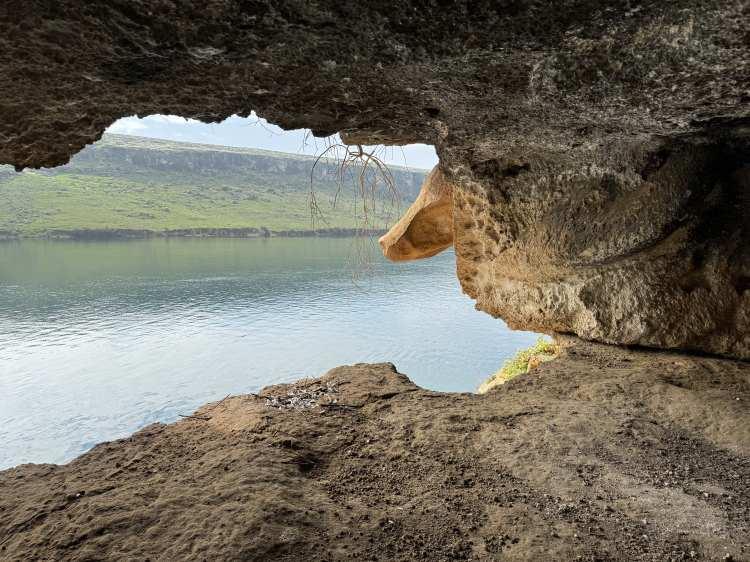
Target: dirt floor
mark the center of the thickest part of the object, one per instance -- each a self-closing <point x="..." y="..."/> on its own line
<point x="602" y="454"/>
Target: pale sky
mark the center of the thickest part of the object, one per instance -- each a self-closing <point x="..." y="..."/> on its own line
<point x="252" y="132"/>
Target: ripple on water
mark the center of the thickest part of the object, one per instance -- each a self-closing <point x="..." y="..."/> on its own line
<point x="100" y="343"/>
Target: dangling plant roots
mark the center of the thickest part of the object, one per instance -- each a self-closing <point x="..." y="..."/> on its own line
<point x="372" y="183"/>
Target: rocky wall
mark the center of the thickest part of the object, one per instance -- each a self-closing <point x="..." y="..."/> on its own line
<point x="598" y="147"/>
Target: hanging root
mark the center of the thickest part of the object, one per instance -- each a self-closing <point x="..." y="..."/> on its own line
<point x="376" y="195"/>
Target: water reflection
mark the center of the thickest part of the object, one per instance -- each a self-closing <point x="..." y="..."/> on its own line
<point x="99" y="339"/>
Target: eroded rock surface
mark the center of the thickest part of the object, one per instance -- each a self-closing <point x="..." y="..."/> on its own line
<point x="633" y="242"/>
<point x="599" y="149"/>
<point x="602" y="454"/>
<point x="426" y="229"/>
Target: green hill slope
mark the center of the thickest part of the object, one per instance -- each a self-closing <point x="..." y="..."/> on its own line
<point x="132" y="186"/>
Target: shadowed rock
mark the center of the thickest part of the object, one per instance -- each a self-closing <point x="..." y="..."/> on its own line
<point x="602" y="454"/>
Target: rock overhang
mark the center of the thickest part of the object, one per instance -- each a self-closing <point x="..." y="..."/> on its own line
<point x="599" y="150"/>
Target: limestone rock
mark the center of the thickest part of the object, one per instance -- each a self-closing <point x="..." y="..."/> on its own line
<point x="426" y="229"/>
<point x="643" y="243"/>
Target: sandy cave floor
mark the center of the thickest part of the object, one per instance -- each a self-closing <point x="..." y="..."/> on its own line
<point x="602" y="454"/>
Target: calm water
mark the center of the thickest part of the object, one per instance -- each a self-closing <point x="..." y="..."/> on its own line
<point x="100" y="339"/>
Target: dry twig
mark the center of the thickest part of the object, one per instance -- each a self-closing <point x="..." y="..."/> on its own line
<point x="373" y="183"/>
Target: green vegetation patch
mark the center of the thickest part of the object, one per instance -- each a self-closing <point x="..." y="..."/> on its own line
<point x="34" y="204"/>
<point x="525" y="360"/>
<point x="141" y="185"/>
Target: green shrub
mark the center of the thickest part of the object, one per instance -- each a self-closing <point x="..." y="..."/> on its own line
<point x="543" y="350"/>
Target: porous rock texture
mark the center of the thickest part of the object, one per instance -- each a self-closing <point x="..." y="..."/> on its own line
<point x="602" y="454"/>
<point x="633" y="242"/>
<point x="599" y="148"/>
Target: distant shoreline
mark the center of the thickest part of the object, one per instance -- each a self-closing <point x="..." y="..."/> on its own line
<point x="138" y="234"/>
<point x="123" y="188"/>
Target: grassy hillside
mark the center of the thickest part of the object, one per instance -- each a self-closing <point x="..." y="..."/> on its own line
<point x="125" y="183"/>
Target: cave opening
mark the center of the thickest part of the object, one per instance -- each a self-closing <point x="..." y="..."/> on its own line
<point x="174" y="262"/>
<point x="596" y="153"/>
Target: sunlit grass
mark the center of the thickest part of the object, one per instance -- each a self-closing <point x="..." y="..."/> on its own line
<point x="134" y="184"/>
<point x="526" y="359"/>
<point x="32" y="204"/>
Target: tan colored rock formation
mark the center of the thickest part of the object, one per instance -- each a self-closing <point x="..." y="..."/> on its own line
<point x="426" y="228"/>
<point x="648" y="244"/>
<point x="639" y="242"/>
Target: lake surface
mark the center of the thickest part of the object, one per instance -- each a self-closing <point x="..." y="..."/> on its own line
<point x="98" y="339"/>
